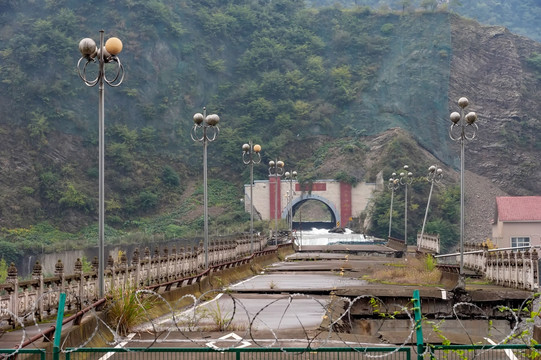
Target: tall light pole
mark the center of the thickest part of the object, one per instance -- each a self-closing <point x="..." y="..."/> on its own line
<point x="392" y="185"/>
<point x="290" y="176"/>
<point x="210" y="130"/>
<point x="276" y="169"/>
<point x="406" y="178"/>
<point x="103" y="55"/>
<point x="434" y="175"/>
<point x="251" y="155"/>
<point x="463" y="128"/>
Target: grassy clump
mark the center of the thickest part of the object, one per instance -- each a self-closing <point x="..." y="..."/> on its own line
<point x="128" y="307"/>
<point x="416" y="271"/>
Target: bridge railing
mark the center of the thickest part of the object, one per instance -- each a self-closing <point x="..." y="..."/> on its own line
<point x="396" y="244"/>
<point x="39" y="296"/>
<point x="517" y="268"/>
<point x="429" y="242"/>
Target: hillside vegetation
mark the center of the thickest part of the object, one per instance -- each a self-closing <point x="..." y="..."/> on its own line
<point x="313" y="86"/>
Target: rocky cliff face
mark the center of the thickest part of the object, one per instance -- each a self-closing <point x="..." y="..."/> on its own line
<point x="490" y="67"/>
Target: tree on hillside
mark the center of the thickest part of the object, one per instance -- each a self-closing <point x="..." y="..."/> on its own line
<point x="431" y="5"/>
<point x="406" y="5"/>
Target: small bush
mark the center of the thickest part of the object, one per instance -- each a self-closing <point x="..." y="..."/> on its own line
<point x="430" y="262"/>
<point x="535" y="61"/>
<point x="387" y="28"/>
<point x="346" y="178"/>
<point x="27" y="190"/>
<point x="170" y="176"/>
<point x="147" y="200"/>
<point x="93" y="172"/>
<point x="71" y="197"/>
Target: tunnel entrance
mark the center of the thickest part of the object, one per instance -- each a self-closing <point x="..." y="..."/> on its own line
<point x="312" y="212"/>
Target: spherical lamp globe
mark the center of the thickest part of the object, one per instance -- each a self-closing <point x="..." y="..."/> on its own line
<point x="113" y="46"/>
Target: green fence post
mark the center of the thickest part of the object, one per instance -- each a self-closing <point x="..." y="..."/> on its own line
<point x="58" y="328"/>
<point x="418" y="326"/>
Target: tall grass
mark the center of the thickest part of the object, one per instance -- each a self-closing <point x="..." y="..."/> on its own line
<point x="126" y="308"/>
<point x="221" y="320"/>
<point x="414" y="271"/>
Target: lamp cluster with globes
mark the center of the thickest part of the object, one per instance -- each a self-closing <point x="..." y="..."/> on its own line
<point x="463" y="128"/>
<point x="205" y="130"/>
<point x="406" y="178"/>
<point x="104" y="54"/>
<point x="251" y="154"/>
<point x="276" y="169"/>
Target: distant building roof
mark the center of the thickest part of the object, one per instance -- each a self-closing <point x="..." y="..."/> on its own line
<point x="518" y="208"/>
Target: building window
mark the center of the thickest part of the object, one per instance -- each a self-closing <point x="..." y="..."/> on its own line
<point x="520" y="241"/>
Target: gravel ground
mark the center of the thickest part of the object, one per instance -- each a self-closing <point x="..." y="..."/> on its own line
<point x="479" y="207"/>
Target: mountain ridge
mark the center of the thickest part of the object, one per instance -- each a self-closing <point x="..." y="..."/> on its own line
<point x="311" y="86"/>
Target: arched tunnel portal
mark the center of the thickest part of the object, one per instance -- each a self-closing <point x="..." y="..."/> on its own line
<point x="308" y="221"/>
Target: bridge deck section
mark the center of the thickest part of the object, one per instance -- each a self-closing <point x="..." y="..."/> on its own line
<point x="292" y="302"/>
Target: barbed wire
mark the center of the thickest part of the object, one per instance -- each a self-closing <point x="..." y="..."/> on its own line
<point x="217" y="310"/>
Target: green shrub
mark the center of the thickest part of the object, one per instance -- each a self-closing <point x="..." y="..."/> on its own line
<point x="148" y="200"/>
<point x="387" y="28"/>
<point x="27" y="190"/>
<point x="114" y="219"/>
<point x="346" y="178"/>
<point x="93" y="173"/>
<point x="3" y="270"/>
<point x="170" y="176"/>
<point x="535" y="61"/>
<point x="49" y="185"/>
<point x="10" y="251"/>
<point x="71" y="197"/>
<point x="173" y="231"/>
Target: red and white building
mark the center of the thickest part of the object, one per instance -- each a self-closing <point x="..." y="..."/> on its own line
<point x="517" y="221"/>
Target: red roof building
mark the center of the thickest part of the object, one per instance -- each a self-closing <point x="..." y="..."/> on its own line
<point x="517" y="221"/>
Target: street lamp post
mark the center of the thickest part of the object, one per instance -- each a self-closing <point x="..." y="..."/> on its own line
<point x="406" y="178"/>
<point x="103" y="55"/>
<point x="276" y="169"/>
<point x="210" y="129"/>
<point x="434" y="175"/>
<point x="463" y="128"/>
<point x="392" y="185"/>
<point x="251" y="155"/>
<point x="290" y="176"/>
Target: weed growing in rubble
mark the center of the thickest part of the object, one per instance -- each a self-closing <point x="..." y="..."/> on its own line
<point x="221" y="319"/>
